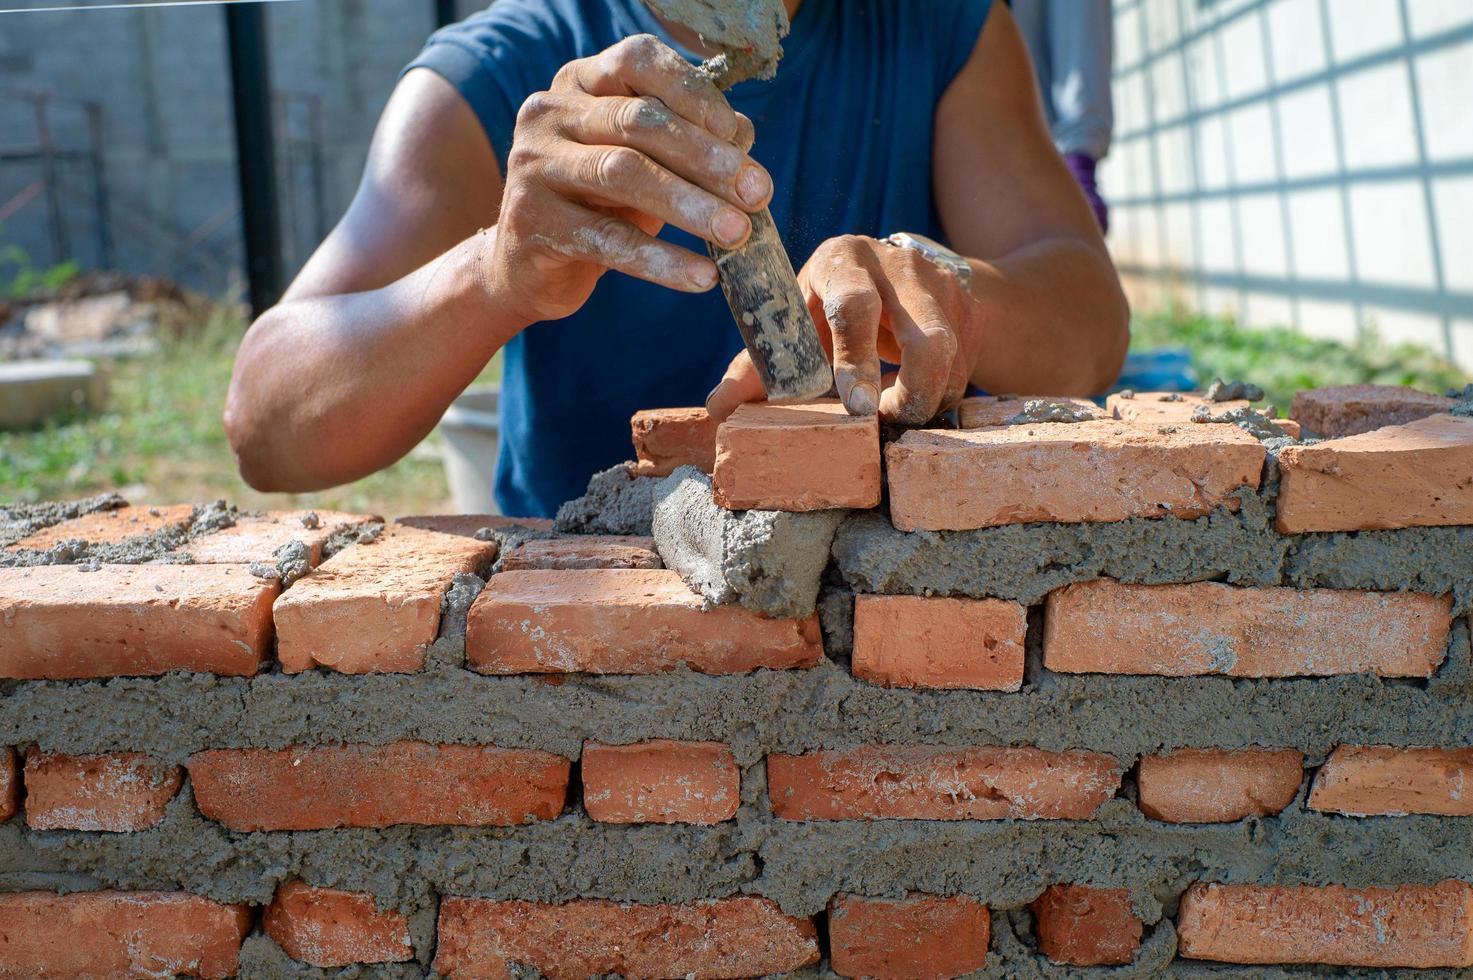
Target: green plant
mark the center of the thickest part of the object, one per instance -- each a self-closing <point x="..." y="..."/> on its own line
<point x="20" y="278"/>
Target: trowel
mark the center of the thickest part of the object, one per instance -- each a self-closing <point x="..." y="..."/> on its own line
<point x="758" y="277"/>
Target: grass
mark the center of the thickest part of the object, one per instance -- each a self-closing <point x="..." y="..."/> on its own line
<point x="160" y="441"/>
<point x="1282" y="361"/>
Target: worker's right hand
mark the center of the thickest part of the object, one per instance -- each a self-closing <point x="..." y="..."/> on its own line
<point x="623" y="143"/>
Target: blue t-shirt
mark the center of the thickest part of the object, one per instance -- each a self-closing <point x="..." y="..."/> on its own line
<point x="845" y="129"/>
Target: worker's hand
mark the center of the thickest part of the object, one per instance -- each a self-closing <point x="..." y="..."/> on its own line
<point x="624" y="142"/>
<point x="873" y="302"/>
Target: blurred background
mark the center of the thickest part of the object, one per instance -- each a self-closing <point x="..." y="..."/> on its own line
<point x="1290" y="189"/>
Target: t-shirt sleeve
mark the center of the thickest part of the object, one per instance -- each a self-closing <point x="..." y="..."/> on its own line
<point x="498" y="57"/>
<point x="958" y="24"/>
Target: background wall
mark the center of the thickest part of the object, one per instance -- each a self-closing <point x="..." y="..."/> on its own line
<point x="1303" y="162"/>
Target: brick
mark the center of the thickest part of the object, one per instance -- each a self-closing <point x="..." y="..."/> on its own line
<point x="119" y="934"/>
<point x="118" y="791"/>
<point x="661" y="781"/>
<point x="1414" y="475"/>
<point x="61" y="621"/>
<point x="810" y="456"/>
<point x="1066" y="472"/>
<point x="374" y="607"/>
<point x="109" y="526"/>
<point x="981" y="411"/>
<point x="1347" y="410"/>
<point x="257" y="538"/>
<point x="466" y="525"/>
<point x="326" y="927"/>
<point x="667" y="438"/>
<point x="1415" y="926"/>
<point x="583" y="551"/>
<point x="624" y="621"/>
<point x="1082" y="926"/>
<point x="728" y="937"/>
<point x="1107" y="627"/>
<point x="1152" y="407"/>
<point x="919" y="937"/>
<point x="315" y="788"/>
<point x="9" y="783"/>
<point x="920" y="782"/>
<point x="1218" y="785"/>
<point x="1364" y="780"/>
<point x="923" y="641"/>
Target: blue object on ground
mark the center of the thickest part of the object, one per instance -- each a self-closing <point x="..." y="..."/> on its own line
<point x="1163" y="369"/>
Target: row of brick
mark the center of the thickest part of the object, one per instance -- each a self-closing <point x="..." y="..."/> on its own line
<point x="664" y="781"/>
<point x="1140" y="456"/>
<point x="376" y="607"/>
<point x="113" y="933"/>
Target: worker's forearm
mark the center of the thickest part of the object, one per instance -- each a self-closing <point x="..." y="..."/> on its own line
<point x="329" y="389"/>
<point x="1053" y="320"/>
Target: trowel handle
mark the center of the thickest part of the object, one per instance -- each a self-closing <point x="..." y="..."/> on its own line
<point x="770" y="312"/>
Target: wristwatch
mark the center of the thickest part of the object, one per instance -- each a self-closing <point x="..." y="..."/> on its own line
<point x="936" y="252"/>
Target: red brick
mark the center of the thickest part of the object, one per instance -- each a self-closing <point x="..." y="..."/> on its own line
<point x="374" y="607"/>
<point x="1414" y="475"/>
<point x="329" y="928"/>
<point x="1083" y="926"/>
<point x="1066" y="472"/>
<point x="1107" y="627"/>
<point x="1415" y="926"/>
<point x="1218" y="785"/>
<point x="1382" y="779"/>
<point x="810" y="456"/>
<point x="9" y="783"/>
<point x="118" y="791"/>
<point x="314" y="788"/>
<point x="982" y="411"/>
<point x="60" y="621"/>
<point x="728" y="937"/>
<point x="1348" y="410"/>
<point x="1149" y="407"/>
<point x="110" y="526"/>
<point x="583" y="551"/>
<point x="466" y="525"/>
<point x="661" y="782"/>
<point x="921" y="782"/>
<point x="257" y="538"/>
<point x="924" y="641"/>
<point x="119" y="934"/>
<point x="667" y="438"/>
<point x="919" y="937"/>
<point x="624" y="621"/>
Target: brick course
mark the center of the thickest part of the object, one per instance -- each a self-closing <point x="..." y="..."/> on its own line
<point x="812" y="456"/>
<point x="1108" y="627"/>
<point x="920" y="641"/>
<point x="731" y="937"/>
<point x="1382" y="779"/>
<point x="660" y="781"/>
<point x="624" y="621"/>
<point x="117" y="792"/>
<point x="1218" y="785"/>
<point x="328" y="927"/>
<point x="309" y="788"/>
<point x="929" y="783"/>
<point x="919" y="937"/>
<point x="257" y="538"/>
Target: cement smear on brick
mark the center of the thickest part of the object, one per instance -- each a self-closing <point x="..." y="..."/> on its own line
<point x="766" y="560"/>
<point x="20" y="520"/>
<point x="616" y="502"/>
<point x="159" y="546"/>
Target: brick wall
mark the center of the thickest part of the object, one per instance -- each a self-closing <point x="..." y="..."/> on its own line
<point x="1117" y="695"/>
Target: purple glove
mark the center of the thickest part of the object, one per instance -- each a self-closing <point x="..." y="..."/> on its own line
<point x="1082" y="167"/>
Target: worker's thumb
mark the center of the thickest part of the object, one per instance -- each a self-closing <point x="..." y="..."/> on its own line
<point x="738" y="386"/>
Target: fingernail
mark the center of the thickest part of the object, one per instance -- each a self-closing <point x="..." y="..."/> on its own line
<point x="712" y="393"/>
<point x="701" y="273"/>
<point x="864" y="399"/>
<point x="753" y="185"/>
<point x="729" y="226"/>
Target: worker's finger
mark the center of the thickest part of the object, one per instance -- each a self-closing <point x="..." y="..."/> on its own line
<point x="845" y="300"/>
<point x="577" y="232"/>
<point x="624" y="177"/>
<point x="740" y="384"/>
<point x="746" y="133"/>
<point x="645" y="65"/>
<point x="927" y="353"/>
<point x="678" y="145"/>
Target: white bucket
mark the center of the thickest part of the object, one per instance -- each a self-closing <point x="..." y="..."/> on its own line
<point x="471" y="427"/>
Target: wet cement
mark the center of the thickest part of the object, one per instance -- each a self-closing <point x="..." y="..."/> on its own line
<point x="616" y="502"/>
<point x="159" y="546"/>
<point x="769" y="561"/>
<point x="749" y="33"/>
<point x="20" y="520"/>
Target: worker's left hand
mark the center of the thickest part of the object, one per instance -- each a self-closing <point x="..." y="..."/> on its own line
<point x="872" y="302"/>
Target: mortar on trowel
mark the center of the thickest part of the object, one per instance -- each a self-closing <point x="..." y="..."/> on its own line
<point x="758" y="277"/>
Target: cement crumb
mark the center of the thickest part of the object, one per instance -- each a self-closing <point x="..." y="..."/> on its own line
<point x="1043" y="410"/>
<point x="311" y="521"/>
<point x="1127" y="393"/>
<point x="351" y="535"/>
<point x="616" y="502"/>
<point x="1250" y="420"/>
<point x="1174" y="396"/>
<point x="1227" y="391"/>
<point x="288" y="563"/>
